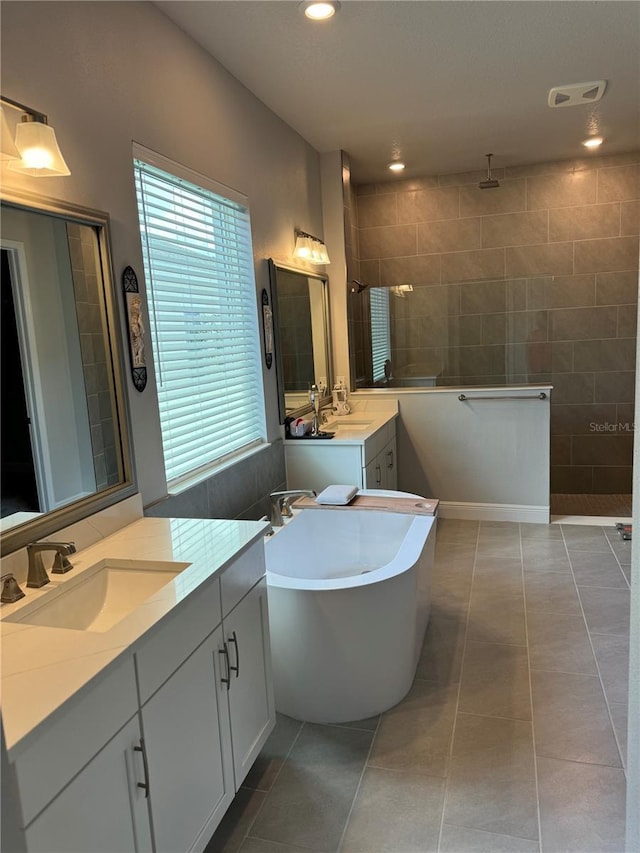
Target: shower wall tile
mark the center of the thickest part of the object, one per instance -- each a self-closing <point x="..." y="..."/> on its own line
<point x="607" y="255"/>
<point x="584" y="223"/>
<point x="562" y="190"/>
<point x="388" y="242"/>
<point x="417" y="270"/>
<point x="449" y="235"/>
<point x="630" y="217"/>
<point x="427" y="205"/>
<point x="571" y="480"/>
<point x="627" y="321"/>
<point x="515" y="229"/>
<point x="617" y="288"/>
<point x="574" y="388"/>
<point x="603" y="448"/>
<point x="376" y="210"/>
<point x="615" y="387"/>
<point x="544" y="259"/>
<point x="578" y="324"/>
<point x="535" y="281"/>
<point x="477" y="202"/>
<point x="613" y="481"/>
<point x="605" y="355"/>
<point x="472" y="266"/>
<point x="568" y="291"/>
<point x="619" y="183"/>
<point x="577" y="420"/>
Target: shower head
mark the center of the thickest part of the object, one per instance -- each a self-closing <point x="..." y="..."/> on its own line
<point x="358" y="286"/>
<point x="489" y="182"/>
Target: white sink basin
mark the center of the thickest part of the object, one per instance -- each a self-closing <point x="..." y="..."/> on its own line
<point x="101" y="595"/>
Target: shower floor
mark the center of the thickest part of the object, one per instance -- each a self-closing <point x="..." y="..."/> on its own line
<point x="603" y="505"/>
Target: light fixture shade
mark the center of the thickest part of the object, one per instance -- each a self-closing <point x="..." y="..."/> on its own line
<point x="324" y="255"/>
<point x="303" y="247"/>
<point x="39" y="150"/>
<point x="8" y="150"/>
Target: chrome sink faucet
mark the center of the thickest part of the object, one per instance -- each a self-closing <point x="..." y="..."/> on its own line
<point x="37" y="575"/>
<point x="281" y="504"/>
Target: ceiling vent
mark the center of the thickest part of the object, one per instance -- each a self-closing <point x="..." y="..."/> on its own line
<point x="577" y="93"/>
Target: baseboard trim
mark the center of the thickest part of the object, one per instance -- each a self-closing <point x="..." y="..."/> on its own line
<point x="494" y="512"/>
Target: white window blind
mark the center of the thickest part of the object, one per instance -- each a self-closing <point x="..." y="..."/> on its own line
<point x="380" y="331"/>
<point x="198" y="265"/>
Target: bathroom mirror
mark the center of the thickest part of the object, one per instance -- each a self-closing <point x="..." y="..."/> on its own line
<point x="65" y="435"/>
<point x="302" y="336"/>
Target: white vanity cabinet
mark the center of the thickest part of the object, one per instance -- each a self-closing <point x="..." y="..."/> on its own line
<point x="103" y="809"/>
<point x="188" y="747"/>
<point x="204" y="727"/>
<point x="382" y="472"/>
<point x="149" y="757"/>
<point x="367" y="459"/>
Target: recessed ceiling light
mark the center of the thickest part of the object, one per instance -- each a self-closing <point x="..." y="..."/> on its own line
<point x="396" y="166"/>
<point x="320" y="11"/>
<point x="593" y="142"/>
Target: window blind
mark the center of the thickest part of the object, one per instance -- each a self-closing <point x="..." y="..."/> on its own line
<point x="380" y="331"/>
<point x="198" y="264"/>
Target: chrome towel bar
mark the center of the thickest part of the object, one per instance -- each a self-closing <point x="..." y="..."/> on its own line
<point x="541" y="396"/>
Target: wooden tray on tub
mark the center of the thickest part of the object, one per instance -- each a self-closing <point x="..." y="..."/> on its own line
<point x="408" y="506"/>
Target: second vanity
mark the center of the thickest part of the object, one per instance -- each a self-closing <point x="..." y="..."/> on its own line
<point x="136" y="735"/>
<point x="361" y="453"/>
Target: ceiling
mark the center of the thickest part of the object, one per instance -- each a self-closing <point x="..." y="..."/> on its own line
<point x="438" y="83"/>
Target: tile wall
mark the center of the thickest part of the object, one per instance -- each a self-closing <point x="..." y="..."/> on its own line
<point x="535" y="281"/>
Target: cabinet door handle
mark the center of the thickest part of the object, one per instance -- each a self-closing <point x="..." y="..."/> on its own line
<point x="233" y="639"/>
<point x="378" y="475"/>
<point x="145" y="784"/>
<point x="225" y="653"/>
<point x="390" y="457"/>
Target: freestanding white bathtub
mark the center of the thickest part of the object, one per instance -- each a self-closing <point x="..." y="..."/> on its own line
<point x="349" y="601"/>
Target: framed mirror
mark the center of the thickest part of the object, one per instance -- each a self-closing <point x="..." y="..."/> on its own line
<point x="65" y="431"/>
<point x="301" y="335"/>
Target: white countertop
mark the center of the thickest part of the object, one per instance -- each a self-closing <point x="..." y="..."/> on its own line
<point x="43" y="667"/>
<point x="349" y="429"/>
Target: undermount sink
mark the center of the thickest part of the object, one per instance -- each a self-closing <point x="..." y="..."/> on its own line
<point x="101" y="595"/>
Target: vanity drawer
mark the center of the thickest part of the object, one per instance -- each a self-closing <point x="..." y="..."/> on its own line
<point x="80" y="729"/>
<point x="242" y="575"/>
<point x="182" y="631"/>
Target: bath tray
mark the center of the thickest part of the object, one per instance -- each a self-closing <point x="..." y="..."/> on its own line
<point x="411" y="506"/>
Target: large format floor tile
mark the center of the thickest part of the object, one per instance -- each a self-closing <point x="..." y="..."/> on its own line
<point x="571" y="719"/>
<point x="272" y="757"/>
<point x="606" y="610"/>
<point x="460" y="839"/>
<point x="584" y="538"/>
<point x="551" y="592"/>
<point x="582" y="807"/>
<point x="492" y="778"/>
<point x="612" y="654"/>
<point x="560" y="642"/>
<point x="311" y="798"/>
<point x="495" y="681"/>
<point x="416" y="734"/>
<point x="597" y="569"/>
<point x="395" y="813"/>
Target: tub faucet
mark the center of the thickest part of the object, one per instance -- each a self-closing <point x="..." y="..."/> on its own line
<point x="281" y="504"/>
<point x="37" y="575"/>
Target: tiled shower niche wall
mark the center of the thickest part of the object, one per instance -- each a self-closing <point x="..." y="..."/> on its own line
<point x="535" y="281"/>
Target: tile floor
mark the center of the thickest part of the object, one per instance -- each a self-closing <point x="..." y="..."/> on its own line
<point x="609" y="505"/>
<point x="512" y="737"/>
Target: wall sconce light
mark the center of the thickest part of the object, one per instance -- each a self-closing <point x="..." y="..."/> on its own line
<point x="310" y="248"/>
<point x="35" y="151"/>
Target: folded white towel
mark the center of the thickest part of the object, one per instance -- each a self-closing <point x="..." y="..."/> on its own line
<point x="337" y="495"/>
